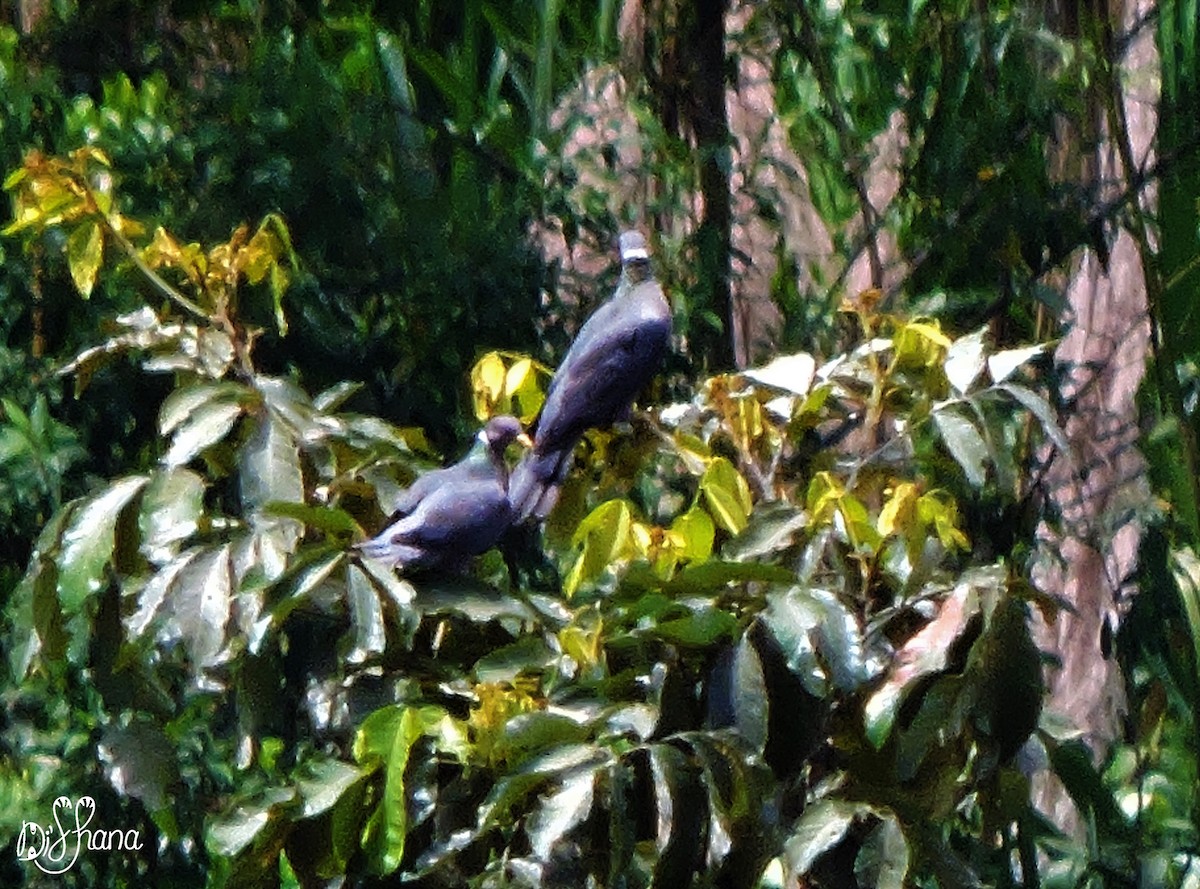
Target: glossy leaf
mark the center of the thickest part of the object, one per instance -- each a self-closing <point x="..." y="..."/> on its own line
<point x="366" y="616"/>
<point x="1041" y="409"/>
<point x="322" y="782"/>
<point x="87" y="543"/>
<point x="820" y="828"/>
<point x="172" y="506"/>
<point x="726" y="494"/>
<point x="965" y="360"/>
<point x="558" y="813"/>
<point x="602" y="538"/>
<point x="197" y="607"/>
<point x="964" y="443"/>
<point x="207" y="425"/>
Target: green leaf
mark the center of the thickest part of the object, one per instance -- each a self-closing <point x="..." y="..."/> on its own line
<point x="232" y="832"/>
<point x="205" y="426"/>
<point x="773" y="527"/>
<point x="965" y="360"/>
<point x="964" y="442"/>
<point x="883" y="860"/>
<point x="727" y="495"/>
<point x="820" y="828"/>
<point x="603" y="538"/>
<point x="269" y="469"/>
<point x="391" y="737"/>
<point x="366" y="616"/>
<point x="335" y="396"/>
<point x="504" y="664"/>
<point x="681" y="816"/>
<point x="180" y="404"/>
<point x="85" y="251"/>
<point x="698" y="630"/>
<point x="328" y="519"/>
<point x="87" y="543"/>
<point x="561" y="811"/>
<point x="530" y="734"/>
<point x="321" y="784"/>
<point x="698" y="532"/>
<point x="713" y="576"/>
<point x="197" y="607"/>
<point x="170" y="512"/>
<point x="1041" y="409"/>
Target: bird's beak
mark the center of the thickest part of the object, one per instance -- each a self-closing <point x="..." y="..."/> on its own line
<point x="524" y="439"/>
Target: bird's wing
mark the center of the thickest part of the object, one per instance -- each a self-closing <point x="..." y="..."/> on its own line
<point x="457" y="515"/>
<point x="600" y="380"/>
<point x="473" y="466"/>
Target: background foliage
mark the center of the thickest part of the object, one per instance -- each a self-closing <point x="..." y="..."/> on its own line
<point x="784" y="621"/>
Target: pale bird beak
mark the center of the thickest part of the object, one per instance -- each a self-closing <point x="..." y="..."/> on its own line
<point x="524" y="439"/>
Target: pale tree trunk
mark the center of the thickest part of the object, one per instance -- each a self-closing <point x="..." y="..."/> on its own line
<point x="1098" y="487"/>
<point x="31" y="12"/>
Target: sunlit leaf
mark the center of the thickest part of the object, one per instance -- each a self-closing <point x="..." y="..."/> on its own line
<point x="487" y="383"/>
<point x="602" y="538"/>
<point x="965" y="360"/>
<point x="820" y="828"/>
<point x="269" y="472"/>
<point x="899" y="512"/>
<point x="322" y="782"/>
<point x="964" y="443"/>
<point x="1002" y="365"/>
<point x="207" y="425"/>
<point x="197" y="607"/>
<point x="85" y="252"/>
<point x="87" y="543"/>
<point x="232" y="832"/>
<point x="335" y="396"/>
<point x="561" y="811"/>
<point x="366" y="616"/>
<point x="170" y="512"/>
<point x="727" y="495"/>
<point x="1042" y="410"/>
<point x="697" y="532"/>
<point x="790" y="373"/>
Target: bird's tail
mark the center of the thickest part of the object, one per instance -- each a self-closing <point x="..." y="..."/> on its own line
<point x="386" y="549"/>
<point x="534" y="484"/>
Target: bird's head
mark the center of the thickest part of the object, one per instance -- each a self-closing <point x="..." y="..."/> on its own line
<point x="635" y="256"/>
<point x="500" y="432"/>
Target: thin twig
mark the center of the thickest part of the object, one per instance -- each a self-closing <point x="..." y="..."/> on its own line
<point x="154" y="277"/>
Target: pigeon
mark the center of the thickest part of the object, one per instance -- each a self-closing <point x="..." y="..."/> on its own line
<point x="614" y="356"/>
<point x="451" y="514"/>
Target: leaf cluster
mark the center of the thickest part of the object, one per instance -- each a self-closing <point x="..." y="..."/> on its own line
<point x="771" y="644"/>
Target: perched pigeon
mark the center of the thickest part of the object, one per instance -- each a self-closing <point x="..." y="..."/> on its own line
<point x="451" y="514"/>
<point x="615" y="354"/>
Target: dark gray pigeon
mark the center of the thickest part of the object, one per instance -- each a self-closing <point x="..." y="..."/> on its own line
<point x="454" y="513"/>
<point x="614" y="356"/>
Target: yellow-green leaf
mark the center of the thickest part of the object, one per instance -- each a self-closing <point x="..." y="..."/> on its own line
<point x="603" y="538"/>
<point x="726" y="494"/>
<point x="899" y="512"/>
<point x="521" y="383"/>
<point x="824" y="491"/>
<point x="487" y="383"/>
<point x="696" y="531"/>
<point x="85" y="251"/>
